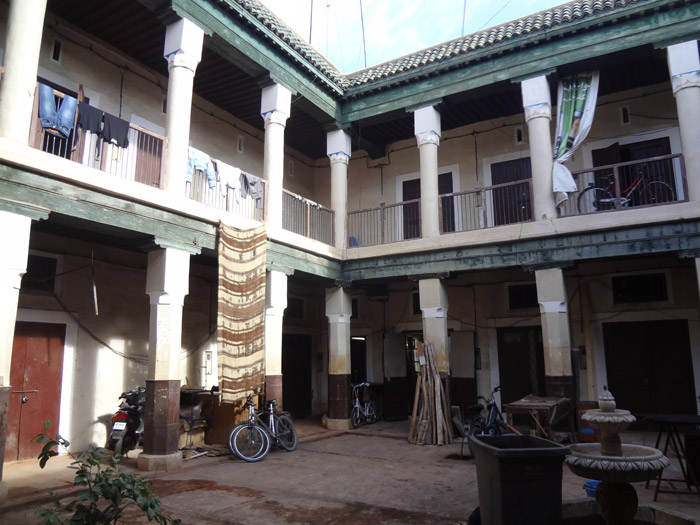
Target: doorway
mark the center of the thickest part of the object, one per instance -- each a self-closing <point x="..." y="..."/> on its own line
<point x="649" y="366"/>
<point x="358" y="360"/>
<point x="297" y="391"/>
<point x="35" y="377"/>
<point x="511" y="204"/>
<point x="520" y="362"/>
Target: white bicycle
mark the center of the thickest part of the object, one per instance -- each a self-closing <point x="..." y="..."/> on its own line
<point x="362" y="413"/>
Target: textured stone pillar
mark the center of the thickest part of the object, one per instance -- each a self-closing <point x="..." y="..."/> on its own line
<point x="13" y="265"/>
<point x="338" y="149"/>
<point x="25" y="26"/>
<point x="537" y="103"/>
<point x="684" y="68"/>
<point x="183" y="51"/>
<point x="275" y="304"/>
<point x="433" y="304"/>
<point x="551" y="294"/>
<point x="275" y="107"/>
<point x="167" y="283"/>
<point x="426" y="125"/>
<point x="338" y="311"/>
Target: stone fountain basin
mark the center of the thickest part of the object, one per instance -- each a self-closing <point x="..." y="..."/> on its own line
<point x="637" y="463"/>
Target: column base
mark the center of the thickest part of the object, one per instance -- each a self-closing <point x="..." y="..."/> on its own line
<point x="273" y="389"/>
<point x="338" y="424"/>
<point x="159" y="462"/>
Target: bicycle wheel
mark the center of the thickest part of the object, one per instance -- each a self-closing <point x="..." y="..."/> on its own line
<point x="286" y="433"/>
<point x="660" y="192"/>
<point x="595" y="199"/>
<point x="355" y="417"/>
<point x="371" y="412"/>
<point x="249" y="442"/>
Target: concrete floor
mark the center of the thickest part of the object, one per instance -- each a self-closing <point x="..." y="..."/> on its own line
<point x="369" y="475"/>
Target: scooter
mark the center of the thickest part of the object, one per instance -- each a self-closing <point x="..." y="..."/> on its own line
<point x="127" y="422"/>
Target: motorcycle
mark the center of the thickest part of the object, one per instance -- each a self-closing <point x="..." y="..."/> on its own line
<point x="127" y="422"/>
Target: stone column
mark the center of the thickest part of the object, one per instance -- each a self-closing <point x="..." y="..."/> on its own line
<point x="426" y="125"/>
<point x="433" y="304"/>
<point x="275" y="107"/>
<point x="275" y="303"/>
<point x="684" y="68"/>
<point x="183" y="51"/>
<point x="551" y="294"/>
<point x="537" y="103"/>
<point x="338" y="311"/>
<point x="167" y="283"/>
<point x="13" y="265"/>
<point x="338" y="150"/>
<point x="25" y="25"/>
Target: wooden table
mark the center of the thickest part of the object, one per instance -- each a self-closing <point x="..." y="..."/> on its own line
<point x="545" y="412"/>
<point x="668" y="423"/>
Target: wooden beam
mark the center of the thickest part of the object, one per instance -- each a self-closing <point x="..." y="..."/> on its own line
<point x="682" y="237"/>
<point x="287" y="259"/>
<point x="31" y="189"/>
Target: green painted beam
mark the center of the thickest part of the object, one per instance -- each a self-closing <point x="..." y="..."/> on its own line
<point x="54" y="195"/>
<point x="540" y="253"/>
<point x="546" y="53"/>
<point x="287" y="259"/>
<point x="258" y="45"/>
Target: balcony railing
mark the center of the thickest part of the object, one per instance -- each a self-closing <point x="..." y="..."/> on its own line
<point x="236" y="201"/>
<point x="385" y="224"/>
<point x="648" y="182"/>
<point x="307" y="218"/>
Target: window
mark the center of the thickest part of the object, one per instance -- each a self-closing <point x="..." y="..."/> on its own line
<point x="416" y="304"/>
<point x="355" y="308"/>
<point x="639" y="288"/>
<point x="56" y="51"/>
<point x="522" y="296"/>
<point x="41" y="274"/>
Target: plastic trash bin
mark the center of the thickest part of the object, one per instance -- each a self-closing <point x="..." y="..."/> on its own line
<point x="519" y="479"/>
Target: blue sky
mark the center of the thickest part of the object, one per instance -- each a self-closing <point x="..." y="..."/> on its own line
<point x="393" y="28"/>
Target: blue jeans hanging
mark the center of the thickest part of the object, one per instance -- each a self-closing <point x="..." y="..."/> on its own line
<point x="58" y="121"/>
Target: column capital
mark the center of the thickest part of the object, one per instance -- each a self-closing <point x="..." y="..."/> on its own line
<point x="339" y="157"/>
<point x="339" y="318"/>
<point x="427" y="126"/>
<point x="338" y="146"/>
<point x="183" y="45"/>
<point x="434" y="313"/>
<point x="275" y="104"/>
<point x="684" y="65"/>
<point x="537" y="100"/>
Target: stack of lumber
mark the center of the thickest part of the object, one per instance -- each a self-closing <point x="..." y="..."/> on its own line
<point x="430" y="421"/>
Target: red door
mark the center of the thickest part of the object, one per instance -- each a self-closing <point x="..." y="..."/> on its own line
<point x="35" y="379"/>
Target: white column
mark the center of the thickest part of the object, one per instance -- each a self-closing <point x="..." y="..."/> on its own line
<point x="537" y="103"/>
<point x="25" y="25"/>
<point x="183" y="51"/>
<point x="433" y="304"/>
<point x="338" y="150"/>
<point x="13" y="265"/>
<point x="684" y="68"/>
<point x="275" y="304"/>
<point x="427" y="128"/>
<point x="551" y="294"/>
<point x="275" y="106"/>
<point x="339" y="312"/>
<point x="167" y="284"/>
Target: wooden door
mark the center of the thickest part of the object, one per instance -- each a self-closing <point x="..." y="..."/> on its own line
<point x="297" y="392"/>
<point x="520" y="362"/>
<point x="35" y="379"/>
<point x="649" y="366"/>
<point x="411" y="211"/>
<point x="511" y="204"/>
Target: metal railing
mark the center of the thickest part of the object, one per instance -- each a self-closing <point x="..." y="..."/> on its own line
<point x="385" y="224"/>
<point x="647" y="182"/>
<point x="234" y="200"/>
<point x="307" y="218"/>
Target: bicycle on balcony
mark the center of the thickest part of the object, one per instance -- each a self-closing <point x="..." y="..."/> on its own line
<point x="640" y="192"/>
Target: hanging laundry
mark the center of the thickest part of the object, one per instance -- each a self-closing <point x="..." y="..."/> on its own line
<point x="89" y="117"/>
<point x="253" y="186"/>
<point x="115" y="130"/>
<point x="56" y="119"/>
<point x="229" y="177"/>
<point x="198" y="160"/>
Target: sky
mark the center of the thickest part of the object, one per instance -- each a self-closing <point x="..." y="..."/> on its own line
<point x="392" y="28"/>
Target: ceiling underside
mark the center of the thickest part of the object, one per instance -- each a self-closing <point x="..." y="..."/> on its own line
<point x="136" y="31"/>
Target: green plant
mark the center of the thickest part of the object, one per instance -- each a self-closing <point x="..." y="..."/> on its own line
<point x="109" y="489"/>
